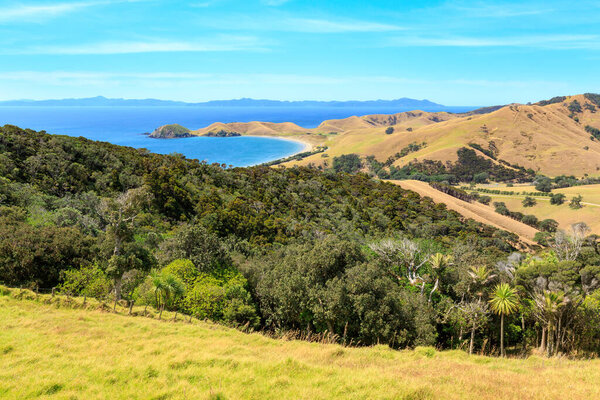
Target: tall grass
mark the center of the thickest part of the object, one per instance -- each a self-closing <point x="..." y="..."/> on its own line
<point x="56" y="348"/>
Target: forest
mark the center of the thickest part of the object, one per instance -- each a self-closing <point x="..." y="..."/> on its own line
<point x="280" y="249"/>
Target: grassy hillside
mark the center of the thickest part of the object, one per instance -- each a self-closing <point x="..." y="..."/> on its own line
<point x="552" y="137"/>
<point x="563" y="214"/>
<point x="475" y="210"/>
<point x="541" y="137"/>
<point x="63" y="353"/>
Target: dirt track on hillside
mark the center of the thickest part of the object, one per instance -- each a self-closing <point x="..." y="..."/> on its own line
<point x="477" y="211"/>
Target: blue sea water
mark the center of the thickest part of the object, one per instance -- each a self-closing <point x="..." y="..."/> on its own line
<point x="126" y="126"/>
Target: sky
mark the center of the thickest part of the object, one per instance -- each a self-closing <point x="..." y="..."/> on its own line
<point x="464" y="53"/>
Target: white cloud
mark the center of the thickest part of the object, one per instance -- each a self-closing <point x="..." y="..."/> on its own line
<point x="103" y="78"/>
<point x="23" y="12"/>
<point x="333" y="26"/>
<point x="561" y="42"/>
<point x="225" y="43"/>
<point x="274" y="3"/>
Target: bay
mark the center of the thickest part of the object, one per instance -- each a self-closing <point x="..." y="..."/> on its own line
<point x="127" y="126"/>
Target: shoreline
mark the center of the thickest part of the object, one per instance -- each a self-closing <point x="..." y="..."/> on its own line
<point x="307" y="146"/>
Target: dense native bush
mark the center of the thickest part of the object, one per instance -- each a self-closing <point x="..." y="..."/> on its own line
<point x="282" y="248"/>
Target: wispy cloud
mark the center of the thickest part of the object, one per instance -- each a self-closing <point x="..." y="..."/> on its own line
<point x="172" y="78"/>
<point x="333" y="26"/>
<point x="559" y="42"/>
<point x="218" y="44"/>
<point x="37" y="12"/>
<point x="274" y="3"/>
<point x="487" y="10"/>
<point x="286" y="23"/>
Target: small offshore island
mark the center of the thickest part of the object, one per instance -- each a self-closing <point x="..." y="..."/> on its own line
<point x="176" y="131"/>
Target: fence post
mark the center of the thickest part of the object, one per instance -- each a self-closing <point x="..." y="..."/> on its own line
<point x="53" y="292"/>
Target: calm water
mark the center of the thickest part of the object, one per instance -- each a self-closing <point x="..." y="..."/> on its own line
<point x="125" y="126"/>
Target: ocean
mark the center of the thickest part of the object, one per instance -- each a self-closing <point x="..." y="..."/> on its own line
<point x="127" y="126"/>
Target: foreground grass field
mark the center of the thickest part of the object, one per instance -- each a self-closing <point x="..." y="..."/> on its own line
<point x="51" y="351"/>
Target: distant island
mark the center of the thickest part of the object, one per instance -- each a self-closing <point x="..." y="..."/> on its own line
<point x="101" y="101"/>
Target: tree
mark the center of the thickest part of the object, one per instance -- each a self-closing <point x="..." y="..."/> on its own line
<point x="476" y="315"/>
<point x="567" y="245"/>
<point x="405" y="259"/>
<point x="504" y="301"/>
<point x="543" y="184"/>
<point x="438" y="262"/>
<point x="557" y="199"/>
<point x="389" y="130"/>
<point x="575" y="203"/>
<point x="167" y="289"/>
<point x="529" y="201"/>
<point x="548" y="225"/>
<point x="547" y="307"/>
<point x="119" y="214"/>
<point x="480" y="277"/>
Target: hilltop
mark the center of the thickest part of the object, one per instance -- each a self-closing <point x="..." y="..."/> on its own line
<point x="552" y="137"/>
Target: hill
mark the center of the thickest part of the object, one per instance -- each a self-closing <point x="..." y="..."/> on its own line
<point x="474" y="210"/>
<point x="554" y="137"/>
<point x="539" y="137"/>
<point x="172" y="131"/>
<point x="244" y="102"/>
<point x="52" y="351"/>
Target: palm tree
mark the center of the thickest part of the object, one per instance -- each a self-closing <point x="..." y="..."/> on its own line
<point x="160" y="290"/>
<point x="480" y="277"/>
<point x="548" y="305"/>
<point x="176" y="290"/>
<point x="167" y="289"/>
<point x="504" y="301"/>
<point x="438" y="263"/>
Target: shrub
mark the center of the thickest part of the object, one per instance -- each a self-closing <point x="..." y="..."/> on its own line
<point x="529" y="201"/>
<point x="389" y="130"/>
<point x="543" y="184"/>
<point x="548" y="225"/>
<point x="530" y="220"/>
<point x="90" y="281"/>
<point x="576" y="202"/>
<point x="557" y="199"/>
<point x="348" y="163"/>
<point x="484" y="199"/>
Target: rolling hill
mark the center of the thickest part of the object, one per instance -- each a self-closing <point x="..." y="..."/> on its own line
<point x="552" y="137"/>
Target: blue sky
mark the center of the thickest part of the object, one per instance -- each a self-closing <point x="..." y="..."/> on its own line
<point x="452" y="52"/>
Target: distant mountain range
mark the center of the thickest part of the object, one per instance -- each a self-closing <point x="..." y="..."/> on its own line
<point x="103" y="101"/>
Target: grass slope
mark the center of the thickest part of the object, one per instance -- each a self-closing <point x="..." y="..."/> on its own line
<point x="477" y="211"/>
<point x="55" y="352"/>
<point x="548" y="138"/>
<point x="563" y="214"/>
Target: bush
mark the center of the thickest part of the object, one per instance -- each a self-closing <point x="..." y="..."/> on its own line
<point x="530" y="220"/>
<point x="543" y="184"/>
<point x="557" y="199"/>
<point x="576" y="202"/>
<point x="529" y="201"/>
<point x="90" y="281"/>
<point x="484" y="199"/>
<point x="389" y="130"/>
<point x="349" y="163"/>
<point x="548" y="225"/>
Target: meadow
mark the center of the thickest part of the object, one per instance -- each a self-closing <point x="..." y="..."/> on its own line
<point x="563" y="214"/>
<point x="54" y="348"/>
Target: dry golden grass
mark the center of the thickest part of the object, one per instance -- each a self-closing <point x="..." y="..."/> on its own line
<point x="563" y="214"/>
<point x="477" y="211"/>
<point x="51" y="351"/>
<point x="543" y="138"/>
